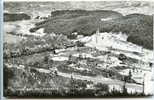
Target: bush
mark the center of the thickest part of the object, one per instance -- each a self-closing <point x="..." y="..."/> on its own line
<point x="102" y="87"/>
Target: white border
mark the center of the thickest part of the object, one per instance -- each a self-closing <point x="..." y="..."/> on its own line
<point x="1" y="44"/>
<point x="1" y="50"/>
<point x="69" y="0"/>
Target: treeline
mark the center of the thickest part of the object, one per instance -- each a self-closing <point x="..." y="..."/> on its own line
<point x="73" y="93"/>
<point x="85" y="72"/>
<point x="25" y="52"/>
<point x="15" y="17"/>
<point x="33" y="45"/>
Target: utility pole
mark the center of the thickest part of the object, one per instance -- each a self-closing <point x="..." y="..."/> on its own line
<point x="124" y="86"/>
<point x="143" y="83"/>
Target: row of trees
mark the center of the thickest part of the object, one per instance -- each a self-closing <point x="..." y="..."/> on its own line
<point x="73" y="93"/>
<point x="33" y="45"/>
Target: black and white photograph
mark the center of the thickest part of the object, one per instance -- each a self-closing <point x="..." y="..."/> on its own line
<point x="78" y="49"/>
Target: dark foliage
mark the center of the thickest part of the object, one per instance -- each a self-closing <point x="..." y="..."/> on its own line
<point x="15" y="17"/>
<point x="73" y="93"/>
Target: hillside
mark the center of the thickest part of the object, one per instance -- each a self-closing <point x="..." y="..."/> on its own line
<point x="81" y="21"/>
<point x="138" y="27"/>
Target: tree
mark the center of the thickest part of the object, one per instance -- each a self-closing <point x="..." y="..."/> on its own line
<point x="8" y="75"/>
<point x="80" y="57"/>
<point x="122" y="57"/>
<point x="46" y="59"/>
<point x="56" y="73"/>
<point x="102" y="87"/>
<point x="70" y="57"/>
<point x="124" y="86"/>
<point x="79" y="44"/>
<point x="36" y="64"/>
<point x="72" y="36"/>
<point x="150" y="64"/>
<point x="130" y="74"/>
<point x="51" y="62"/>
